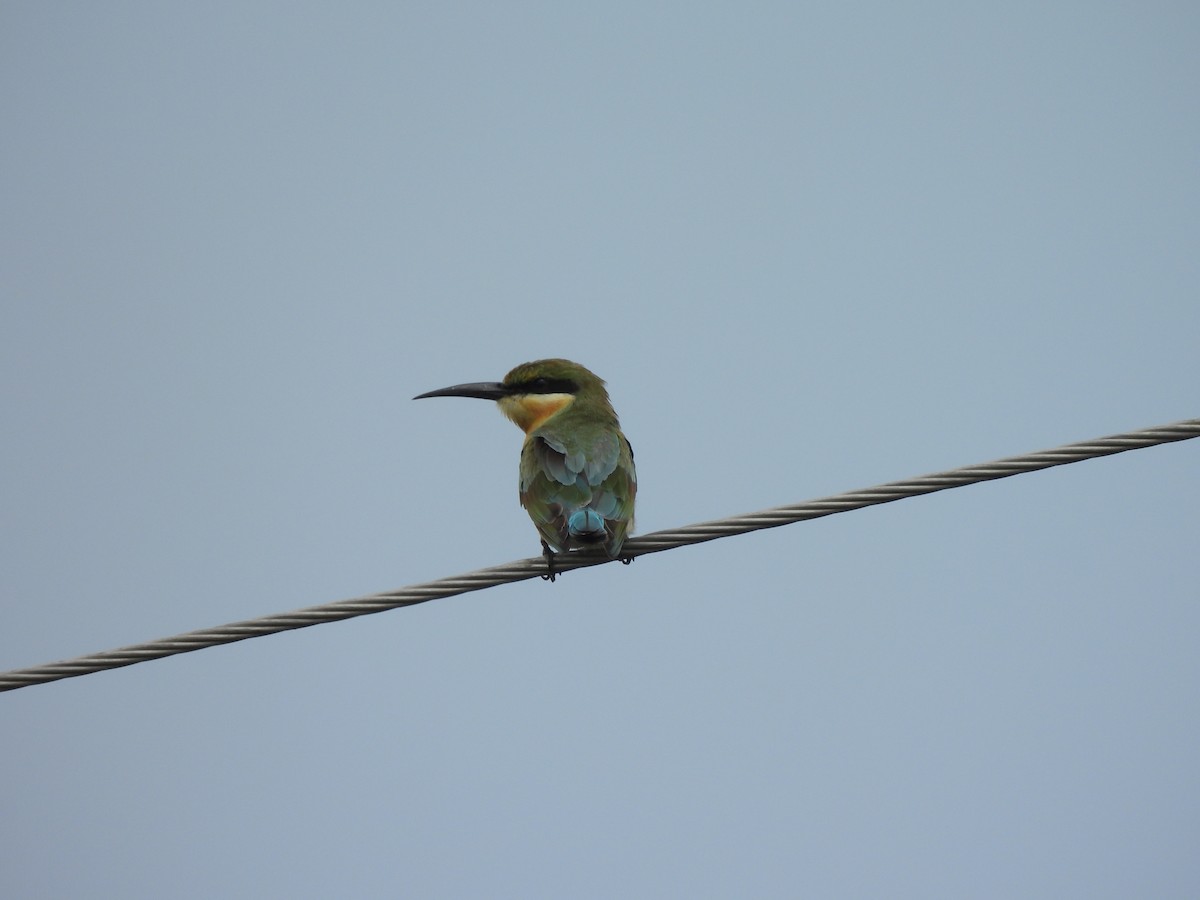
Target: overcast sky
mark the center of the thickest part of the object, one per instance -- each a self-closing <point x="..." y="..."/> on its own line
<point x="811" y="248"/>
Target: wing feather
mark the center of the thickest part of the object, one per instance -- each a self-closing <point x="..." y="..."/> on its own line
<point x="556" y="480"/>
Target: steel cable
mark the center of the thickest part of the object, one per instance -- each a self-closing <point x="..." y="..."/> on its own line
<point x="658" y="541"/>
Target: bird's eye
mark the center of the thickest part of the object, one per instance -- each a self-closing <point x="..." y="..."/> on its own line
<point x="540" y="382"/>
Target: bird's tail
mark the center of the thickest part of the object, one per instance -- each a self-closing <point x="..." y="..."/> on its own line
<point x="587" y="526"/>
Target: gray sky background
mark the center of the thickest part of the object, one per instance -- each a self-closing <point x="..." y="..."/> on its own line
<point x="810" y="247"/>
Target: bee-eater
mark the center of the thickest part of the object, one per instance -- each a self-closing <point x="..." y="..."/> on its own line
<point x="577" y="478"/>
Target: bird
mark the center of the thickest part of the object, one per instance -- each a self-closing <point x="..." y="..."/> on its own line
<point x="577" y="478"/>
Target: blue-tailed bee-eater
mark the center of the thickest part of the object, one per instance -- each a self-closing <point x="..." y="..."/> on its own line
<point x="577" y="477"/>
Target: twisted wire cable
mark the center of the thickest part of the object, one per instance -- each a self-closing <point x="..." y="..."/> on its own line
<point x="523" y="569"/>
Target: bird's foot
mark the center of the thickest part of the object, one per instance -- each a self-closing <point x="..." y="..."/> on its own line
<point x="626" y="560"/>
<point x="549" y="554"/>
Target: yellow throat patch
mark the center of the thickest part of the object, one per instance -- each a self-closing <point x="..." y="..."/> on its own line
<point x="529" y="411"/>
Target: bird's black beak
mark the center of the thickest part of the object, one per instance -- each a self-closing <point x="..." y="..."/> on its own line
<point x="484" y="390"/>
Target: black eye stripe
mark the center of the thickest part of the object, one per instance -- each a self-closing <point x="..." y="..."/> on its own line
<point x="546" y="386"/>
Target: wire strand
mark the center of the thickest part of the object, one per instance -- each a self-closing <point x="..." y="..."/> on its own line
<point x="523" y="569"/>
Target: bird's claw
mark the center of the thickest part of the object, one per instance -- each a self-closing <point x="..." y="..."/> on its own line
<point x="549" y="554"/>
<point x="551" y="574"/>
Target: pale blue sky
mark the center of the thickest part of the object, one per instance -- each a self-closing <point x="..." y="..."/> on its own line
<point x="810" y="247"/>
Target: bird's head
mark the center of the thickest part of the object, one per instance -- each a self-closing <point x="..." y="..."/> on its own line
<point x="535" y="391"/>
